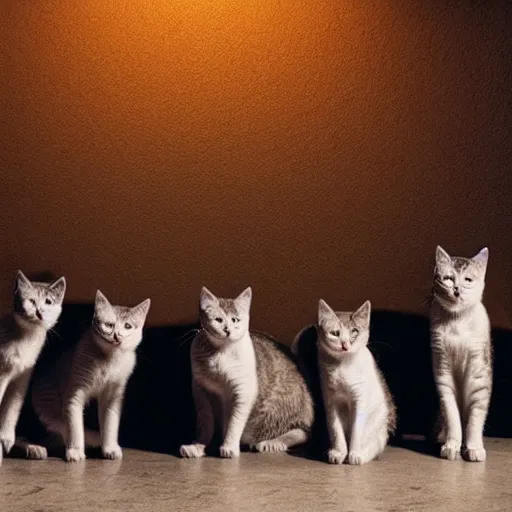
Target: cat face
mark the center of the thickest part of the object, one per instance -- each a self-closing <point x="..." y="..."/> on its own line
<point x="459" y="282"/>
<point x="38" y="303"/>
<point x="118" y="327"/>
<point x="342" y="333"/>
<point x="224" y="320"/>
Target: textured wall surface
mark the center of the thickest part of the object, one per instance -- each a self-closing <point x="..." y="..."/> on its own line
<point x="308" y="148"/>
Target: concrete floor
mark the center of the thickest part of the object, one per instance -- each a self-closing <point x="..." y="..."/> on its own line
<point x="403" y="481"/>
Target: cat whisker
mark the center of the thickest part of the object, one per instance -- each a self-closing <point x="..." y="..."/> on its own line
<point x="429" y="299"/>
<point x="53" y="332"/>
<point x="187" y="336"/>
<point x="372" y="343"/>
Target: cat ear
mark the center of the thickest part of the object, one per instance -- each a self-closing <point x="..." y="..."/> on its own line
<point x="22" y="282"/>
<point x="101" y="301"/>
<point x="325" y="312"/>
<point x="482" y="257"/>
<point x="362" y="315"/>
<point x="141" y="310"/>
<point x="58" y="288"/>
<point x="442" y="257"/>
<point x="207" y="299"/>
<point x="243" y="301"/>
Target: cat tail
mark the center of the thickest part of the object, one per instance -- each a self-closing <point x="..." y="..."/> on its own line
<point x="304" y="349"/>
<point x="92" y="438"/>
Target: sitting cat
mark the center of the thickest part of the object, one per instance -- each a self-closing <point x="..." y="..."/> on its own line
<point x="37" y="307"/>
<point x="461" y="353"/>
<point x="244" y="382"/>
<point x="359" y="408"/>
<point x="99" y="366"/>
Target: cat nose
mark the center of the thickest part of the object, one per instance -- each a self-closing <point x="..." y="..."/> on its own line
<point x="226" y="330"/>
<point x="39" y="314"/>
<point x="344" y="346"/>
<point x="456" y="291"/>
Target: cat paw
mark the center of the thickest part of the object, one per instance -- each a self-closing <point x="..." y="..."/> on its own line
<point x="113" y="452"/>
<point x="229" y="452"/>
<point x="7" y="439"/>
<point x="450" y="450"/>
<point x="336" y="456"/>
<point x="192" y="451"/>
<point x="270" y="446"/>
<point x="355" y="458"/>
<point x="35" y="452"/>
<point x="475" y="454"/>
<point x="75" y="454"/>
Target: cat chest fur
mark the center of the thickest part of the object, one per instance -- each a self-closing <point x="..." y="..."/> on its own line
<point x="354" y="380"/>
<point x="226" y="369"/>
<point x="21" y="354"/>
<point x="114" y="373"/>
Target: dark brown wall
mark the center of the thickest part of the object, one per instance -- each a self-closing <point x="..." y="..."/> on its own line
<point x="310" y="149"/>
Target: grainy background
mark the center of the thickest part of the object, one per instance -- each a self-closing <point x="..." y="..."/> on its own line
<point x="308" y="148"/>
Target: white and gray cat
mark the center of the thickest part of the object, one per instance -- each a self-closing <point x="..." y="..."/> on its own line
<point x="37" y="307"/>
<point x="359" y="408"/>
<point x="461" y="353"/>
<point x="98" y="367"/>
<point x="244" y="383"/>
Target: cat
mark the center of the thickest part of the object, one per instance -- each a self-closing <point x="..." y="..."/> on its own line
<point x="98" y="367"/>
<point x="37" y="307"/>
<point x="245" y="383"/>
<point x="461" y="353"/>
<point x="359" y="408"/>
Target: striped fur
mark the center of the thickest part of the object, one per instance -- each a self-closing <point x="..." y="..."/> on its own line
<point x="245" y="383"/>
<point x="461" y="353"/>
<point x="97" y="368"/>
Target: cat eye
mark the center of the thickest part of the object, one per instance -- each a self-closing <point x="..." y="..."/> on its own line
<point x="468" y="280"/>
<point x="127" y="326"/>
<point x="447" y="278"/>
<point x="109" y="325"/>
<point x="219" y="320"/>
<point x="354" y="332"/>
<point x="33" y="302"/>
<point x="335" y="333"/>
<point x="235" y="319"/>
<point x="48" y="301"/>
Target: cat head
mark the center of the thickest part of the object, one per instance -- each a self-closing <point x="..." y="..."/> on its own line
<point x="38" y="303"/>
<point x="459" y="282"/>
<point x="224" y="320"/>
<point x="342" y="333"/>
<point x="118" y="327"/>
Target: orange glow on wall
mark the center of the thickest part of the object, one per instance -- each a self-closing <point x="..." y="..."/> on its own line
<point x="309" y="149"/>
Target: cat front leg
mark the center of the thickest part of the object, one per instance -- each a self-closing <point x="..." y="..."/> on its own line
<point x="478" y="397"/>
<point x="4" y="382"/>
<point x="358" y="424"/>
<point x="11" y="408"/>
<point x="110" y="407"/>
<point x="338" y="450"/>
<point x="241" y="406"/>
<point x="205" y="424"/>
<point x="74" y="417"/>
<point x="451" y="416"/>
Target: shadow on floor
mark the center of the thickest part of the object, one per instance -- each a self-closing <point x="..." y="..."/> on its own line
<point x="159" y="412"/>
